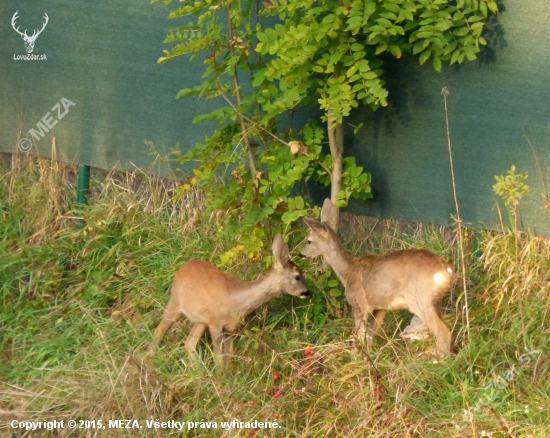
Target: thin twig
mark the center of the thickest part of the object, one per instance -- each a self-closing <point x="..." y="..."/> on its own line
<point x="458" y="220"/>
<point x="246" y="118"/>
<point x="257" y="125"/>
<point x="518" y="273"/>
<point x="252" y="164"/>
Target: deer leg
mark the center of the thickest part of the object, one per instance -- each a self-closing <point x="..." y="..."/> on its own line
<point x="229" y="337"/>
<point x="197" y="330"/>
<point x="416" y="330"/>
<point x="433" y="320"/>
<point x="228" y="344"/>
<point x="217" y="342"/>
<point x="171" y="315"/>
<point x="360" y="321"/>
<point x="376" y="325"/>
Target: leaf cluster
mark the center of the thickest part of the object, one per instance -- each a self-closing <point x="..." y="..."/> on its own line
<point x="511" y="187"/>
<point x="331" y="49"/>
<point x="264" y="59"/>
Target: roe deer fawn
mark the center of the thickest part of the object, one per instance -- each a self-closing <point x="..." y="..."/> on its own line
<point x="210" y="298"/>
<point x="413" y="279"/>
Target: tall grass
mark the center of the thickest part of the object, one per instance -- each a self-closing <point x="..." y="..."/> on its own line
<point x="78" y="308"/>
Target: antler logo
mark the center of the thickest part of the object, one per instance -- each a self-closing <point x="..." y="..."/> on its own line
<point x="29" y="40"/>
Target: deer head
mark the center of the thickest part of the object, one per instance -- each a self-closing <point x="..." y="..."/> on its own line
<point x="29" y="40"/>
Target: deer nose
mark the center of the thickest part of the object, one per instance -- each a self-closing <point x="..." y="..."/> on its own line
<point x="305" y="294"/>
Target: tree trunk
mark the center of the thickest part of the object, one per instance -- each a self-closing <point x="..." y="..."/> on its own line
<point x="336" y="142"/>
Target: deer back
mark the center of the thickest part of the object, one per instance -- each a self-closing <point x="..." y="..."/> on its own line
<point x="397" y="279"/>
<point x="207" y="295"/>
<point x="202" y="291"/>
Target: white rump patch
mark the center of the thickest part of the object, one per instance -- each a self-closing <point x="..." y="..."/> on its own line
<point x="440" y="278"/>
<point x="450" y="271"/>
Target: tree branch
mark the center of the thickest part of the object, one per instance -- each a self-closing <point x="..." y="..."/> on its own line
<point x="252" y="164"/>
<point x="248" y="119"/>
<point x="336" y="142"/>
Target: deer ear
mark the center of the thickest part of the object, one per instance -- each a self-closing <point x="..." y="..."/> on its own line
<point x="312" y="223"/>
<point x="280" y="252"/>
<point x="316" y="226"/>
<point x="328" y="214"/>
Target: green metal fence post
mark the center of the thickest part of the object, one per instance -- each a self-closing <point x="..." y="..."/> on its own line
<point x="82" y="193"/>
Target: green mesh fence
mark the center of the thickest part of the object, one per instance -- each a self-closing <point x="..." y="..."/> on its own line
<point x="101" y="57"/>
<point x="497" y="105"/>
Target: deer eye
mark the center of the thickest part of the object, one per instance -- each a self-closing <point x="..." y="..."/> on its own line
<point x="309" y="242"/>
<point x="297" y="277"/>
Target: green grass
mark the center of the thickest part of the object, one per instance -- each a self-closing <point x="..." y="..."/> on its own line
<point x="78" y="308"/>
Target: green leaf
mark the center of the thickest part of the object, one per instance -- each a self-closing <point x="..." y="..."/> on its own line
<point x="369" y="75"/>
<point x="424" y="56"/>
<point x="455" y="56"/>
<point x="395" y="50"/>
<point x="388" y="15"/>
<point x="461" y="31"/>
<point x="259" y="77"/>
<point x="370" y="8"/>
<point x="351" y="71"/>
<point x="381" y="48"/>
<point x="363" y="65"/>
<point x="443" y="25"/>
<point x="184" y="92"/>
<point x="493" y="6"/>
<point x="483" y="8"/>
<point x="392" y="7"/>
<point x="384" y="22"/>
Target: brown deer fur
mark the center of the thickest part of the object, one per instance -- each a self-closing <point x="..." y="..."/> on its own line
<point x="210" y="298"/>
<point x="413" y="279"/>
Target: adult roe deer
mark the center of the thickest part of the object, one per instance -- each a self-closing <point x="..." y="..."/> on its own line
<point x="210" y="298"/>
<point x="413" y="279"/>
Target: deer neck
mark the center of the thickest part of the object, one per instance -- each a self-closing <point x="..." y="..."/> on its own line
<point x="252" y="294"/>
<point x="338" y="259"/>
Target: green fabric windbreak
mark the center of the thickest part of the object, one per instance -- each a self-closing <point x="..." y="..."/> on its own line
<point x="497" y="105"/>
<point x="102" y="56"/>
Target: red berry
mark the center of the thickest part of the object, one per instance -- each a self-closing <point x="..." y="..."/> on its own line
<point x="277" y="415"/>
<point x="252" y="432"/>
<point x="275" y="376"/>
<point x="252" y="402"/>
<point x="333" y="400"/>
<point x="309" y="351"/>
<point x="277" y="395"/>
<point x="297" y="392"/>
